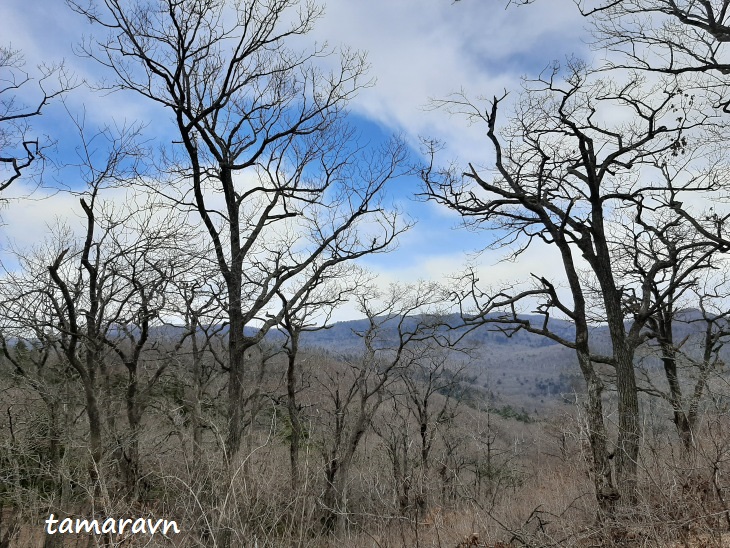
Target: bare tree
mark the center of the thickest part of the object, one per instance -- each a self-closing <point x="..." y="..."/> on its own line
<point x="569" y="179"/>
<point x="396" y="323"/>
<point x="195" y="319"/>
<point x="31" y="356"/>
<point x="106" y="292"/>
<point x="424" y="401"/>
<point x="689" y="359"/>
<point x="262" y="127"/>
<point x="19" y="105"/>
<point x="146" y="257"/>
<point x="311" y="313"/>
<point x="433" y="390"/>
<point x="193" y="341"/>
<point x="688" y="40"/>
<point x="663" y="35"/>
<point x="77" y="295"/>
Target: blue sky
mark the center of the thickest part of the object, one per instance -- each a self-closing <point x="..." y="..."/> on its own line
<point x="418" y="50"/>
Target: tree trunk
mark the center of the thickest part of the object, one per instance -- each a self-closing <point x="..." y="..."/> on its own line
<point x="629" y="427"/>
<point x="235" y="384"/>
<point x="293" y="409"/>
<point x="336" y="473"/>
<point x="95" y="437"/>
<point x="679" y="417"/>
<point x="131" y="451"/>
<point x="196" y="407"/>
<point x="629" y="424"/>
<point x="606" y="493"/>
<point x="330" y="497"/>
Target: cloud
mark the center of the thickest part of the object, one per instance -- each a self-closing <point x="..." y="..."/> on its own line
<point x="418" y="49"/>
<point x="425" y="49"/>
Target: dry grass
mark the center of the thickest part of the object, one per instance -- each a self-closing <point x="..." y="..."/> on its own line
<point x="537" y="493"/>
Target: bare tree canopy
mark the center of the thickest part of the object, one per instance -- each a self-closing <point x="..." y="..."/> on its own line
<point x="262" y="126"/>
<point x="22" y="99"/>
<point x="567" y="176"/>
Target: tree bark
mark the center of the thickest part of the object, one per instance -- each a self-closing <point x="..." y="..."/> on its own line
<point x="606" y="493"/>
<point x="293" y="409"/>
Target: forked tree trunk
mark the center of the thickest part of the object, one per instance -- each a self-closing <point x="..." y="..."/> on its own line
<point x="606" y="493"/>
<point x="681" y="421"/>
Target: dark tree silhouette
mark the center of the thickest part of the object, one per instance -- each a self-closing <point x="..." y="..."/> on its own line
<point x="567" y="177"/>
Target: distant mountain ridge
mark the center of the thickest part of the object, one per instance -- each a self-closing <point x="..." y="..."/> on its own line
<point x="524" y="370"/>
<point x="344" y="334"/>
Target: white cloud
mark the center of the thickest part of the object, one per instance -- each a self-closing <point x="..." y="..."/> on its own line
<point x="418" y="49"/>
<point x="422" y="50"/>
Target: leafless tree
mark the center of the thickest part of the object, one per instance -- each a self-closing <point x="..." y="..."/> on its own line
<point x="689" y="359"/>
<point x="106" y="292"/>
<point x="663" y="35"/>
<point x="423" y="402"/>
<point x="146" y="259"/>
<point x="261" y="126"/>
<point x="197" y="332"/>
<point x="566" y="176"/>
<point x="311" y="313"/>
<point x="688" y="40"/>
<point x="20" y="103"/>
<point x="76" y="298"/>
<point x="30" y="352"/>
<point x="396" y="323"/>
<point x="193" y="341"/>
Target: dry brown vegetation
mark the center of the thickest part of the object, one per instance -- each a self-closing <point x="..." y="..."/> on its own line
<point x="156" y="365"/>
<point x="488" y="481"/>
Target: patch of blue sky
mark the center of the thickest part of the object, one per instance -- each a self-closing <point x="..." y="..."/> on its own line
<point x="417" y="49"/>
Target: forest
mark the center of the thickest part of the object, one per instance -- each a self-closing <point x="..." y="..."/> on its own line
<point x="200" y="336"/>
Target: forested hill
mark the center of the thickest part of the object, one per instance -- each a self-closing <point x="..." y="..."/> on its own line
<point x="519" y="369"/>
<point x="497" y="338"/>
<point x="347" y="334"/>
<point x="522" y="370"/>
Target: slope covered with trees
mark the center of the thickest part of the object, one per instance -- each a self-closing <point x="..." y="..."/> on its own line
<point x="172" y="354"/>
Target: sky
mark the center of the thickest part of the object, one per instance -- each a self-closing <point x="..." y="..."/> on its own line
<point x="418" y="50"/>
